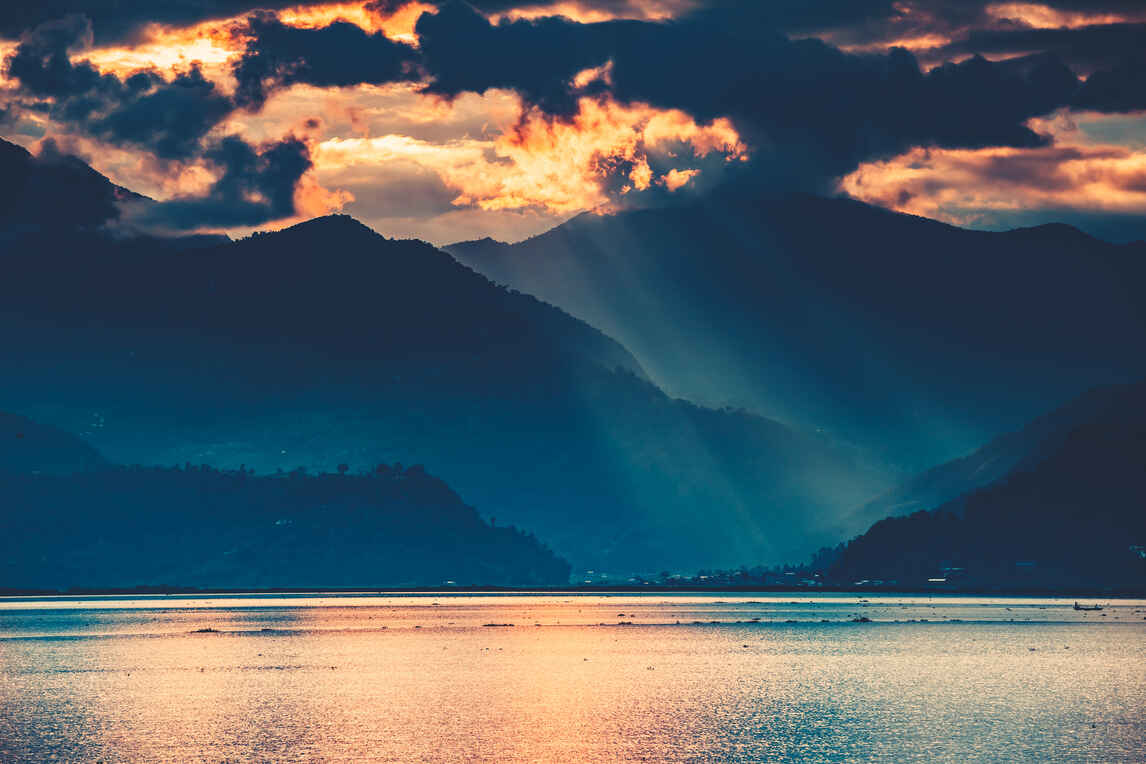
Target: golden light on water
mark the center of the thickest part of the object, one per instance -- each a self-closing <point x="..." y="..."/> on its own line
<point x="683" y="678"/>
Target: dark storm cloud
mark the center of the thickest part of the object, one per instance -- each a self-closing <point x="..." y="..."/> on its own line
<point x="340" y="54"/>
<point x="463" y="52"/>
<point x="1085" y="48"/>
<point x="255" y="185"/>
<point x="810" y="112"/>
<point x="167" y="117"/>
<point x="120" y="20"/>
<point x="171" y="119"/>
<point x="1113" y="54"/>
<point x="1121" y="88"/>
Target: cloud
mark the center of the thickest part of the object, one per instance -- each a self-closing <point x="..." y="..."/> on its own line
<point x="1099" y="186"/>
<point x="174" y="121"/>
<point x="254" y="185"/>
<point x="1118" y="89"/>
<point x="1086" y="48"/>
<point x="278" y="55"/>
<point x="588" y="90"/>
<point x="462" y="51"/>
<point x="810" y="111"/>
<point x="166" y="117"/>
<point x="402" y="188"/>
<point x="943" y="30"/>
<point x="127" y="21"/>
<point x="124" y="20"/>
<point x="606" y="151"/>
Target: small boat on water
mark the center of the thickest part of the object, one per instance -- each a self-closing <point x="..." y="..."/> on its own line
<point x="1087" y="607"/>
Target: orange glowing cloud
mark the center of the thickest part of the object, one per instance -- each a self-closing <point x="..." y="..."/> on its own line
<point x="641" y="10"/>
<point x="398" y="25"/>
<point x="674" y="179"/>
<point x="927" y="30"/>
<point x="914" y="42"/>
<point x="912" y="26"/>
<point x="962" y="186"/>
<point x="312" y="200"/>
<point x="554" y="165"/>
<point x="167" y="48"/>
<point x="1038" y="16"/>
<point x="7" y="48"/>
<point x="215" y="43"/>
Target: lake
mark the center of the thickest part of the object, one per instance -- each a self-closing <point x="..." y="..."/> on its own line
<point x="575" y="678"/>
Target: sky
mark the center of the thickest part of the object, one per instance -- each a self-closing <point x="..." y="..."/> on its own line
<point x="449" y="121"/>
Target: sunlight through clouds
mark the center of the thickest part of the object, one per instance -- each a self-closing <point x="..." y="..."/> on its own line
<point x="980" y="187"/>
<point x="547" y="163"/>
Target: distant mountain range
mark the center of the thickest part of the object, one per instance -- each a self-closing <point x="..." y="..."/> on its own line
<point x="1008" y="453"/>
<point x="885" y="343"/>
<point x="73" y="520"/>
<point x="914" y="339"/>
<point x="1069" y="511"/>
<point x="326" y="343"/>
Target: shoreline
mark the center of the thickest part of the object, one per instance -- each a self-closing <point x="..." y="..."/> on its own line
<point x="159" y="591"/>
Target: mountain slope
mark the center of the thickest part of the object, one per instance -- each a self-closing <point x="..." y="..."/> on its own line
<point x="916" y="339"/>
<point x="116" y="527"/>
<point x="1009" y="452"/>
<point x="1072" y="514"/>
<point x="54" y="190"/>
<point x="326" y="343"/>
<point x="28" y="446"/>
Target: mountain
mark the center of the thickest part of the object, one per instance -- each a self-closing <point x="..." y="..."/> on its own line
<point x="53" y="190"/>
<point x="914" y="339"/>
<point x="1007" y="453"/>
<point x="27" y="446"/>
<point x="325" y="343"/>
<point x="1071" y="514"/>
<point x="107" y="526"/>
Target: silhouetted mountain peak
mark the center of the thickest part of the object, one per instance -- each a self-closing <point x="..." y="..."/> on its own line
<point x="11" y="152"/>
<point x="1070" y="505"/>
<point x="1008" y="452"/>
<point x="28" y="446"/>
<point x="477" y="246"/>
<point x="912" y="336"/>
<point x="55" y="190"/>
<point x="1058" y="233"/>
<point x="336" y="225"/>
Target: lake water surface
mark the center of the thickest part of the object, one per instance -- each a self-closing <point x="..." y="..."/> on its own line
<point x="575" y="678"/>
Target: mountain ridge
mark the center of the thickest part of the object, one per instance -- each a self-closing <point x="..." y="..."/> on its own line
<point x="891" y="331"/>
<point x="326" y="343"/>
<point x="103" y="525"/>
<point x="1067" y="514"/>
<point x="1001" y="456"/>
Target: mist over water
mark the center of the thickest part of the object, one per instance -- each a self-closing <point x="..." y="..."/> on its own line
<point x="575" y="678"/>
